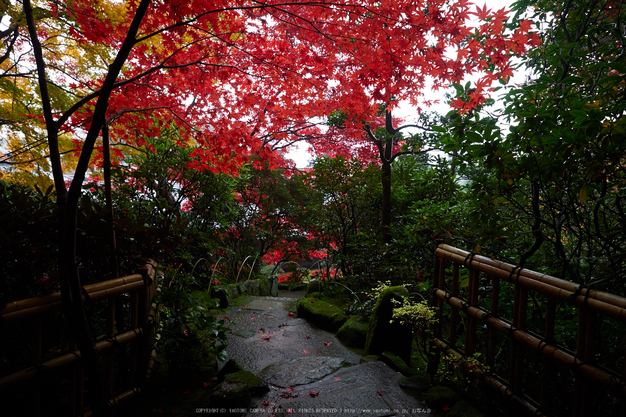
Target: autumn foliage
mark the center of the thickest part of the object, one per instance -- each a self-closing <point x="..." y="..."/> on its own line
<point x="248" y="78"/>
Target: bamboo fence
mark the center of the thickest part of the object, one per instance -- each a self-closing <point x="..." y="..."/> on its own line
<point x="476" y="323"/>
<point x="55" y="384"/>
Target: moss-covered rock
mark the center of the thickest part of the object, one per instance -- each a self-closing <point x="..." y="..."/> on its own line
<point x="320" y="313"/>
<point x="273" y="285"/>
<point x="291" y="286"/>
<point x="313" y="286"/>
<point x="353" y="333"/>
<point x="418" y="383"/>
<point x="439" y="395"/>
<point x="230" y="395"/>
<point x="250" y="287"/>
<point x="384" y="335"/>
<point x="230" y="367"/>
<point x="253" y="382"/>
<point x="264" y="288"/>
<point x="225" y="294"/>
<point x="464" y="409"/>
<point x="396" y="363"/>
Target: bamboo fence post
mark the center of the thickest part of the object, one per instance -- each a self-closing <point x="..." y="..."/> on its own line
<point x="144" y="311"/>
<point x="35" y="330"/>
<point x="454" y="313"/>
<point x="493" y="334"/>
<point x="516" y="370"/>
<point x="472" y="300"/>
<point x="547" y="378"/>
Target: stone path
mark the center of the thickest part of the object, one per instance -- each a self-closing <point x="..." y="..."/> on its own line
<point x="310" y="373"/>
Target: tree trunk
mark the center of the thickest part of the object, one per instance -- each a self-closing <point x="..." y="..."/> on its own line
<point x="387" y="158"/>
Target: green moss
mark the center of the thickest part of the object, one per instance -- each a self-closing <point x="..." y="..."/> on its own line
<point x="384" y="335"/>
<point x="396" y="363"/>
<point x="324" y="315"/>
<point x="314" y="286"/>
<point x="439" y="395"/>
<point x="353" y="332"/>
<point x="264" y="288"/>
<point x="251" y="381"/>
<point x="464" y="409"/>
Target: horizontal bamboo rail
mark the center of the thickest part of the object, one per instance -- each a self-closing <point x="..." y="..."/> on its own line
<point x="27" y="316"/>
<point x="589" y="303"/>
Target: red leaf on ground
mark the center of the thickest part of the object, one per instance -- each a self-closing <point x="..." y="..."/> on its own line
<point x="307" y="337"/>
<point x="245" y="306"/>
<point x="380" y="393"/>
<point x="445" y="407"/>
<point x="266" y="338"/>
<point x="313" y="301"/>
<point x="337" y="378"/>
<point x="290" y="314"/>
<point x="266" y="403"/>
<point x="305" y="352"/>
<point x="314" y="393"/>
<point x="253" y="317"/>
<point x="290" y="411"/>
<point x="328" y="343"/>
<point x="206" y="384"/>
<point x="290" y="389"/>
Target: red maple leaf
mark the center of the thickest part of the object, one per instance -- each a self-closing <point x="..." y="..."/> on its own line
<point x="379" y="393"/>
<point x="266" y="338"/>
<point x="266" y="403"/>
<point x="290" y="314"/>
<point x="314" y="393"/>
<point x="305" y="352"/>
<point x="445" y="407"/>
<point x="328" y="343"/>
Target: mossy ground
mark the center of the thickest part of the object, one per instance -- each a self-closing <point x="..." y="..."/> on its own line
<point x="321" y="313"/>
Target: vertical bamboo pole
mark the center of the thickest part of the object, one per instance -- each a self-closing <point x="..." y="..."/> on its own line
<point x="143" y="354"/>
<point x="548" y="372"/>
<point x="454" y="314"/>
<point x="134" y="323"/>
<point x="516" y="371"/>
<point x="439" y="280"/>
<point x="472" y="300"/>
<point x="493" y="334"/>
<point x="109" y="355"/>
<point x="35" y="327"/>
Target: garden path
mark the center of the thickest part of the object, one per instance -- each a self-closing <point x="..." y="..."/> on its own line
<point x="309" y="371"/>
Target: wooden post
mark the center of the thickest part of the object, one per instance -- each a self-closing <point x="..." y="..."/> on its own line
<point x="454" y="313"/>
<point x="547" y="378"/>
<point x="472" y="300"/>
<point x="493" y="334"/>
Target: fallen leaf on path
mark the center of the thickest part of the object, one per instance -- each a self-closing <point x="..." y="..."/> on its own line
<point x="314" y="393"/>
<point x="290" y="411"/>
<point x="380" y="393"/>
<point x="328" y="343"/>
<point x="253" y="317"/>
<point x="266" y="338"/>
<point x="290" y="389"/>
<point x="337" y="378"/>
<point x="307" y="337"/>
<point x="290" y="314"/>
<point x="266" y="403"/>
<point x="305" y="352"/>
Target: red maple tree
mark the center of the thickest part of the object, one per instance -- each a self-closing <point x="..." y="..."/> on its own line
<point x="244" y="78"/>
